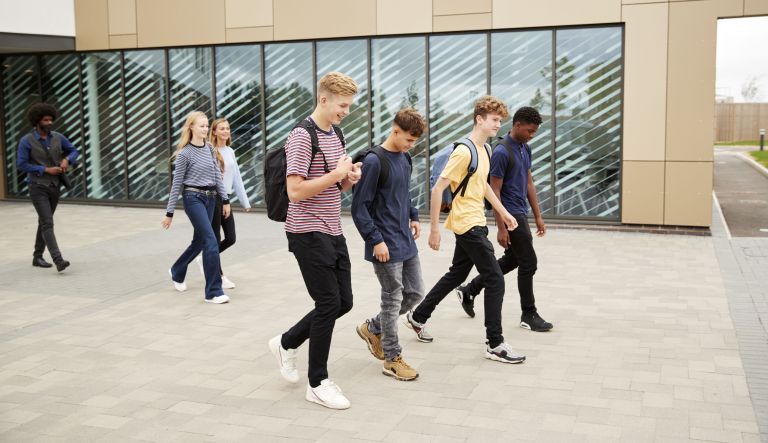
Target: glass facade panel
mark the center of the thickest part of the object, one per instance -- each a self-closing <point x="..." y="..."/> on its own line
<point x="521" y="75"/>
<point x="191" y="84"/>
<point x="20" y="89"/>
<point x="104" y="147"/>
<point x="147" y="130"/>
<point x="588" y="131"/>
<point x="289" y="92"/>
<point x="351" y="58"/>
<point x="398" y="80"/>
<point x="238" y="99"/>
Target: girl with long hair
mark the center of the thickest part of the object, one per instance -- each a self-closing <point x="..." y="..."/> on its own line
<point x="197" y="177"/>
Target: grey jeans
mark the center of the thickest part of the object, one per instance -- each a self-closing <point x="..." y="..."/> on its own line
<point x="402" y="288"/>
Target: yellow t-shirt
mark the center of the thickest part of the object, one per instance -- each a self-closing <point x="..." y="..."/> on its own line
<point x="468" y="211"/>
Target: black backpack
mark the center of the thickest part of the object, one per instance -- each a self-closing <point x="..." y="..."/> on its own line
<point x="378" y="150"/>
<point x="275" y="166"/>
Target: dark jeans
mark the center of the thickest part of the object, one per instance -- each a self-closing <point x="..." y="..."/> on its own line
<point x="519" y="254"/>
<point x="324" y="263"/>
<point x="472" y="249"/>
<point x="199" y="208"/>
<point x="227" y="225"/>
<point x="45" y="198"/>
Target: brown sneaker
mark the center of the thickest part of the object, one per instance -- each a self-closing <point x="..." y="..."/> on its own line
<point x="399" y="369"/>
<point x="372" y="340"/>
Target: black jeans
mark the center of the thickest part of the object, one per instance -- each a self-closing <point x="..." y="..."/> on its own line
<point x="45" y="198"/>
<point x="472" y="249"/>
<point x="227" y="225"/>
<point x="324" y="263"/>
<point x="519" y="254"/>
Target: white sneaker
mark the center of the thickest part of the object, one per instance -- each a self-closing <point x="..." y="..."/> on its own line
<point x="328" y="394"/>
<point x="219" y="299"/>
<point x="286" y="360"/>
<point x="227" y="283"/>
<point x="199" y="261"/>
<point x="181" y="287"/>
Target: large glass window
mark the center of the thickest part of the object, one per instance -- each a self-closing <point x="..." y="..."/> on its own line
<point x="588" y="131"/>
<point x="20" y="89"/>
<point x="104" y="146"/>
<point x="146" y="125"/>
<point x="398" y="80"/>
<point x="191" y="84"/>
<point x="289" y="90"/>
<point x="238" y="99"/>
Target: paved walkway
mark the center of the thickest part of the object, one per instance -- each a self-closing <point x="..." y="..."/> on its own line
<point x="644" y="347"/>
<point x="742" y="192"/>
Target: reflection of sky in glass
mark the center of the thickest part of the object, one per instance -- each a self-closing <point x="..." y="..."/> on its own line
<point x="288" y="70"/>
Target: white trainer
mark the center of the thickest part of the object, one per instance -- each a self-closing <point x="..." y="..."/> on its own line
<point x="328" y="394"/>
<point x="199" y="261"/>
<point x="286" y="360"/>
<point x="227" y="283"/>
<point x="181" y="287"/>
<point x="219" y="299"/>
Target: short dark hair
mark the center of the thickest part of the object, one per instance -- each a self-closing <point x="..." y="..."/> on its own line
<point x="526" y="114"/>
<point x="410" y="121"/>
<point x="37" y="111"/>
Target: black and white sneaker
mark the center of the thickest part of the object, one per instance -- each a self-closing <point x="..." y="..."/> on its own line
<point x="534" y="322"/>
<point x="467" y="301"/>
<point x="503" y="353"/>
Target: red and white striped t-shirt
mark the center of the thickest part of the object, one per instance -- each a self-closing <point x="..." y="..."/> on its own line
<point x="321" y="213"/>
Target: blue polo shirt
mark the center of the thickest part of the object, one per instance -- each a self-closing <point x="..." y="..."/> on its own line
<point x="514" y="190"/>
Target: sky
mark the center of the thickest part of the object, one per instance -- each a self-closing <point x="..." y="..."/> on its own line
<point x="742" y="54"/>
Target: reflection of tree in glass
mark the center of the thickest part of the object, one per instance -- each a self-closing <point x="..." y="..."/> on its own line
<point x="564" y="78"/>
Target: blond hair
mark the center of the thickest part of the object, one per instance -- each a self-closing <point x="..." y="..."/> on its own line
<point x="336" y="83"/>
<point x="214" y="139"/>
<point x="489" y="104"/>
<point x="186" y="130"/>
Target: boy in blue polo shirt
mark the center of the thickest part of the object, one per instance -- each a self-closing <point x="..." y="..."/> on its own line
<point x="512" y="182"/>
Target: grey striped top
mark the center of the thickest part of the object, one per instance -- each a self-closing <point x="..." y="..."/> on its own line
<point x="197" y="167"/>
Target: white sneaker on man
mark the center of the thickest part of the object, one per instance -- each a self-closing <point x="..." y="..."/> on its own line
<point x="227" y="283"/>
<point x="286" y="359"/>
<point x="327" y="394"/>
<point x="199" y="261"/>
<point x="181" y="287"/>
<point x="219" y="299"/>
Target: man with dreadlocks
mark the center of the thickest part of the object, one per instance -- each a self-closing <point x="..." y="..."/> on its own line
<point x="45" y="156"/>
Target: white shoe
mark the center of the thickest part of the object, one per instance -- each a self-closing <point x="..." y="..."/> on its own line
<point x="199" y="261"/>
<point x="227" y="283"/>
<point x="219" y="299"/>
<point x="286" y="360"/>
<point x="181" y="287"/>
<point x="328" y="394"/>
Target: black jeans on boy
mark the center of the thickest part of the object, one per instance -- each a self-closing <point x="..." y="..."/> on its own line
<point x="45" y="198"/>
<point x="325" y="267"/>
<point x="521" y="255"/>
<point x="472" y="249"/>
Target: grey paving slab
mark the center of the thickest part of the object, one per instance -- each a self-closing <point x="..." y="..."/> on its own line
<point x="645" y="347"/>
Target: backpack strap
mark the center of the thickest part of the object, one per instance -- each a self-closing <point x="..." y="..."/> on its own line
<point x="340" y="134"/>
<point x="462" y="188"/>
<point x="308" y="126"/>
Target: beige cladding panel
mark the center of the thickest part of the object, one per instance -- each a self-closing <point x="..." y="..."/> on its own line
<point x="177" y="23"/>
<point x="329" y="18"/>
<point x="454" y="7"/>
<point x="91" y="25"/>
<point x="122" y="17"/>
<point x="755" y="7"/>
<point x="403" y="16"/>
<point x="645" y="81"/>
<point x="688" y="193"/>
<point x="122" y="41"/>
<point x="522" y="14"/>
<point x="642" y="194"/>
<point x="248" y="13"/>
<point x="247" y="35"/>
<point x="466" y="22"/>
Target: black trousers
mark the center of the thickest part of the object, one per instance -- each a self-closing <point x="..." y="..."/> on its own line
<point x="472" y="249"/>
<point x="227" y="225"/>
<point x="324" y="263"/>
<point x="519" y="255"/>
<point x="45" y="198"/>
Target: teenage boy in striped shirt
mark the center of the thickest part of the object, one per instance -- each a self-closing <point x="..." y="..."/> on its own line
<point x="313" y="228"/>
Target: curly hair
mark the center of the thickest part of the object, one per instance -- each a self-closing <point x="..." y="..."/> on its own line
<point x="527" y="115"/>
<point x="37" y="111"/>
<point x="488" y="104"/>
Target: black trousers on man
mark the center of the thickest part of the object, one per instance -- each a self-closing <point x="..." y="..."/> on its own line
<point x="472" y="249"/>
<point x="45" y="198"/>
<point x="518" y="255"/>
<point x="324" y="263"/>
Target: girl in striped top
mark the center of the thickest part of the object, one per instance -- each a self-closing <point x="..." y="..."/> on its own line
<point x="197" y="177"/>
<point x="220" y="138"/>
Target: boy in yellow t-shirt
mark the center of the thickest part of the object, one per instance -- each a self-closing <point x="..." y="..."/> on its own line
<point x="467" y="221"/>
